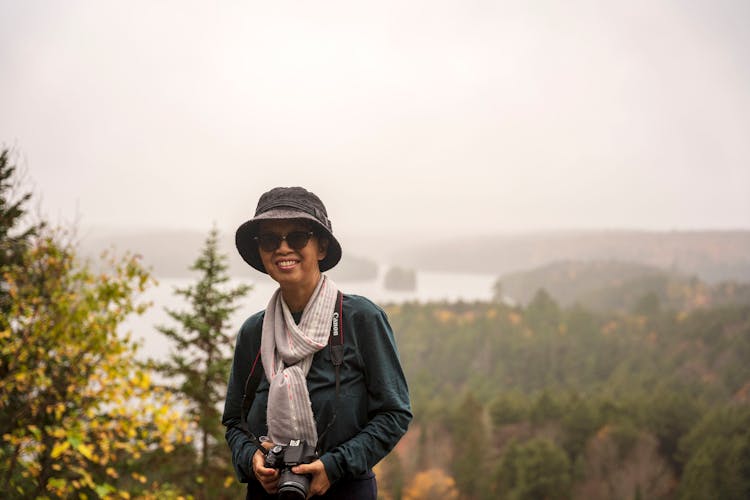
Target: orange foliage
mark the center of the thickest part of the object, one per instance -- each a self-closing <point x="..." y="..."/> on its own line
<point x="743" y="395"/>
<point x="609" y="328"/>
<point x="514" y="318"/>
<point x="430" y="484"/>
<point x="444" y="316"/>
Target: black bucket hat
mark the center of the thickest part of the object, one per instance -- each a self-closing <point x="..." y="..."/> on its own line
<point x="287" y="203"/>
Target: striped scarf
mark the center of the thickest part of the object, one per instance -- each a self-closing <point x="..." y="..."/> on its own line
<point x="287" y="351"/>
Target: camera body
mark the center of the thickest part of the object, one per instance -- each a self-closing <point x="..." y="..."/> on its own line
<point x="291" y="485"/>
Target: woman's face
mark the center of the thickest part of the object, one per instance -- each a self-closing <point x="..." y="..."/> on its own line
<point x="287" y="266"/>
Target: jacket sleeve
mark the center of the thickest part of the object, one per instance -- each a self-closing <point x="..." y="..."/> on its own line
<point x="240" y="445"/>
<point x="388" y="407"/>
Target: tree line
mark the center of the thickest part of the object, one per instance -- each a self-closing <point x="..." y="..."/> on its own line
<point x="541" y="401"/>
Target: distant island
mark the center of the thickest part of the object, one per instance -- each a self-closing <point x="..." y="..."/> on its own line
<point x="400" y="279"/>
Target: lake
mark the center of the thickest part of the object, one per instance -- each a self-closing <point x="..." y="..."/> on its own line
<point x="431" y="287"/>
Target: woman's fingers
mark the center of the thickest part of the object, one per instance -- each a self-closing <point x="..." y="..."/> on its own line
<point x="268" y="478"/>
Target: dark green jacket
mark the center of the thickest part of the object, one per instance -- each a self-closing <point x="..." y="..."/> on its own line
<point x="373" y="410"/>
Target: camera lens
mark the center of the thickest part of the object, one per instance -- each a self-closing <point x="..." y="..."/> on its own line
<point x="293" y="486"/>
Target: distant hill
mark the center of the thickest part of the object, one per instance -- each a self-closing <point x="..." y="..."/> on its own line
<point x="623" y="286"/>
<point x="569" y="282"/>
<point x="169" y="254"/>
<point x="713" y="256"/>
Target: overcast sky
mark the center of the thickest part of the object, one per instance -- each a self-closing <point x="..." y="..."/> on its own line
<point x="453" y="117"/>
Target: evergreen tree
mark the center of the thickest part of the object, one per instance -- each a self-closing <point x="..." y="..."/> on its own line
<point x="470" y="447"/>
<point x="537" y="468"/>
<point x="580" y="420"/>
<point x="200" y="362"/>
<point x="13" y="239"/>
<point x="391" y="482"/>
<point x="498" y="294"/>
<point x="717" y="450"/>
<point x="509" y="408"/>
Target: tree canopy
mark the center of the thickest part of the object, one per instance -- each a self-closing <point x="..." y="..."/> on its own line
<point x="78" y="413"/>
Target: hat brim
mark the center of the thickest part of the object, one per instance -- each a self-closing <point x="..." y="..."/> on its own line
<point x="248" y="247"/>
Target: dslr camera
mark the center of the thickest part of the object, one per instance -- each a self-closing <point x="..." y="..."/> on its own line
<point x="291" y="486"/>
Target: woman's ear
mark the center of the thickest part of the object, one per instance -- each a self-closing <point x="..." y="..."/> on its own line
<point x="323" y="243"/>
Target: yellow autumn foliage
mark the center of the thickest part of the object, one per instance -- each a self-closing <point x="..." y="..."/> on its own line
<point x="72" y="396"/>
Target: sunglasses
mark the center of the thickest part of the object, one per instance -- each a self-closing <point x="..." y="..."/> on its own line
<point x="297" y="240"/>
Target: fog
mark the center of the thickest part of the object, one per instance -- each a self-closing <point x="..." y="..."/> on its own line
<point x="417" y="119"/>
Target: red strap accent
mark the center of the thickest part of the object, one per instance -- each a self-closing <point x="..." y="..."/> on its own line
<point x="252" y="370"/>
<point x="341" y="316"/>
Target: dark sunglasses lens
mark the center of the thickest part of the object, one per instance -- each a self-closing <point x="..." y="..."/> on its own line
<point x="298" y="239"/>
<point x="269" y="242"/>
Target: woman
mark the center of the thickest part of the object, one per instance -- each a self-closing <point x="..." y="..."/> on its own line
<point x="352" y="407"/>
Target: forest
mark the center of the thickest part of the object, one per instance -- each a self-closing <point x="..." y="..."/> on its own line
<point x="607" y="381"/>
<point x="541" y="401"/>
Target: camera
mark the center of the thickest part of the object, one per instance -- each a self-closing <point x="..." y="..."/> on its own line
<point x="291" y="486"/>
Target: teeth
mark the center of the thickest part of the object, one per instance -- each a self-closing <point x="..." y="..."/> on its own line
<point x="287" y="263"/>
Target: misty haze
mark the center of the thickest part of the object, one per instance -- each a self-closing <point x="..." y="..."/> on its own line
<point x="551" y="201"/>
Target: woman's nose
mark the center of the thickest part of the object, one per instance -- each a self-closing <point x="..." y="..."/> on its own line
<point x="284" y="246"/>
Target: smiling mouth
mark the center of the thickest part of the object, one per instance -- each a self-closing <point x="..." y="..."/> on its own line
<point x="286" y="264"/>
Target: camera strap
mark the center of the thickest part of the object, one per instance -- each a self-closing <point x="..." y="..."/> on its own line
<point x="336" y="346"/>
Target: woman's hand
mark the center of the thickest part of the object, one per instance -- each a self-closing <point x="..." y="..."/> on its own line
<point x="269" y="478"/>
<point x="319" y="482"/>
